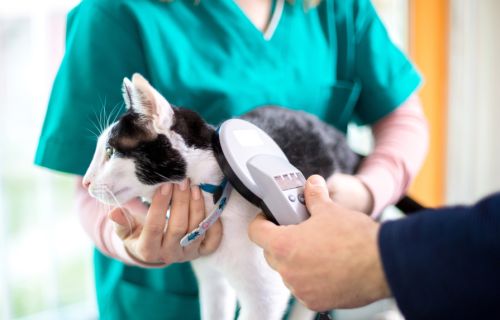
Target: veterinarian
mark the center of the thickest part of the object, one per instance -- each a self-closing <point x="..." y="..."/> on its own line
<point x="332" y="58"/>
<point x="439" y="264"/>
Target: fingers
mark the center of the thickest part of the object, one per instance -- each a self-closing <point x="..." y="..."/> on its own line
<point x="179" y="212"/>
<point x="196" y="208"/>
<point x="118" y="217"/>
<point x="195" y="216"/>
<point x="261" y="231"/>
<point x="275" y="240"/>
<point x="316" y="193"/>
<point x="124" y="223"/>
<point x="146" y="246"/>
<point x="158" y="240"/>
<point x="212" y="239"/>
<point x="154" y="226"/>
<point x="137" y="207"/>
<point x="177" y="223"/>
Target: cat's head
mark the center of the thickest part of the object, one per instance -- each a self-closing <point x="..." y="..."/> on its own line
<point x="139" y="151"/>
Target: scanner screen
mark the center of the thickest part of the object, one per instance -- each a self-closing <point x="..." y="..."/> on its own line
<point x="290" y="180"/>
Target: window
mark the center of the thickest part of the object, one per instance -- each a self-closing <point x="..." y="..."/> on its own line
<point x="45" y="266"/>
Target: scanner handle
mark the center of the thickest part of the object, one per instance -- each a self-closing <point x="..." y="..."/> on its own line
<point x="282" y="189"/>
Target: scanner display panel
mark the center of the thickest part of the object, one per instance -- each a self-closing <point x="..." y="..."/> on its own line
<point x="289" y="181"/>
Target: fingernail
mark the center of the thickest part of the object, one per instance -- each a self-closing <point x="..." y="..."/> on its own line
<point x="166" y="189"/>
<point x="316" y="181"/>
<point x="183" y="185"/>
<point x="195" y="193"/>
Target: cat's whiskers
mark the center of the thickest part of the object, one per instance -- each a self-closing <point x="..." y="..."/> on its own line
<point x="102" y="120"/>
<point x="97" y="195"/>
<point x="102" y="115"/>
<point x="94" y="134"/>
<point x="113" y="115"/>
<point x="103" y="190"/>
<point x="104" y="207"/>
<point x="94" y="121"/>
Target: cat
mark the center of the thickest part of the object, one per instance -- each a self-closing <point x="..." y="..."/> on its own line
<point x="154" y="142"/>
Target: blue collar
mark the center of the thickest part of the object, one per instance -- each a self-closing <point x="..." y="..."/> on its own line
<point x="212" y="217"/>
<point x="216" y="190"/>
<point x="212" y="188"/>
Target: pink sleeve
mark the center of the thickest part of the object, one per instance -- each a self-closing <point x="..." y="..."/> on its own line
<point x="401" y="143"/>
<point x="94" y="219"/>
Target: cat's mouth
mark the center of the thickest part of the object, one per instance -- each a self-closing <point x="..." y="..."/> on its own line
<point x="121" y="191"/>
<point x="104" y="194"/>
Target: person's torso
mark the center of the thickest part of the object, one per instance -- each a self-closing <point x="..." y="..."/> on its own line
<point x="209" y="57"/>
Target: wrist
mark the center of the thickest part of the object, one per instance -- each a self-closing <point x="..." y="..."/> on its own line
<point x="380" y="288"/>
<point x="378" y="183"/>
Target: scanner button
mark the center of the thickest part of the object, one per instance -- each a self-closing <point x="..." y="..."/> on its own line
<point x="291" y="197"/>
<point x="301" y="198"/>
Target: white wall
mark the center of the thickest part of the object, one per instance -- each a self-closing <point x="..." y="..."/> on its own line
<point x="474" y="101"/>
<point x="395" y="14"/>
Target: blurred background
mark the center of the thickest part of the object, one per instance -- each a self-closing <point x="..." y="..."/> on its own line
<point x="45" y="257"/>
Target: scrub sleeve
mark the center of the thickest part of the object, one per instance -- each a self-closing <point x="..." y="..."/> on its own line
<point x="335" y="61"/>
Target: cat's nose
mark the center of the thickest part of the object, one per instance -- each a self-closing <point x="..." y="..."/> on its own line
<point x="86" y="183"/>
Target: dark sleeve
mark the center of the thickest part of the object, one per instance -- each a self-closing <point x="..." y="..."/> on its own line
<point x="445" y="263"/>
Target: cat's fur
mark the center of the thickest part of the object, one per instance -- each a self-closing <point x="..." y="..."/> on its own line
<point x="154" y="143"/>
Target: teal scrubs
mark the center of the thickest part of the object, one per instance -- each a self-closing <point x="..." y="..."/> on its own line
<point x="335" y="60"/>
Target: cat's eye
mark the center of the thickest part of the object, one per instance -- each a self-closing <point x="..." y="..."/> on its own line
<point x="109" y="152"/>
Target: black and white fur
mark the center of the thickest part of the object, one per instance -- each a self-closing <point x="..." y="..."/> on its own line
<point x="154" y="143"/>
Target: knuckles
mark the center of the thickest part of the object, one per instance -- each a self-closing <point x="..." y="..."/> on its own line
<point x="176" y="232"/>
<point x="154" y="228"/>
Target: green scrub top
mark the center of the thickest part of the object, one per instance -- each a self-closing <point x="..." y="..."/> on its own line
<point x="335" y="60"/>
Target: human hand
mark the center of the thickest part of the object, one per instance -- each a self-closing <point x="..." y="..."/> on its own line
<point x="349" y="192"/>
<point x="329" y="261"/>
<point x="156" y="242"/>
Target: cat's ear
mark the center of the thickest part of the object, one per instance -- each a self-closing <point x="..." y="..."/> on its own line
<point x="127" y="91"/>
<point x="143" y="99"/>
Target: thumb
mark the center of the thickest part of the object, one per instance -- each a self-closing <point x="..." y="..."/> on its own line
<point x="123" y="222"/>
<point x="261" y="230"/>
<point x="316" y="193"/>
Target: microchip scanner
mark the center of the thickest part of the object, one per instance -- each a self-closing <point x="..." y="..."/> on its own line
<point x="259" y="170"/>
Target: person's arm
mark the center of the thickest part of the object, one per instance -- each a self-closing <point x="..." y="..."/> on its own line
<point x="401" y="143"/>
<point x="445" y="263"/>
<point x="387" y="102"/>
<point x="440" y="264"/>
